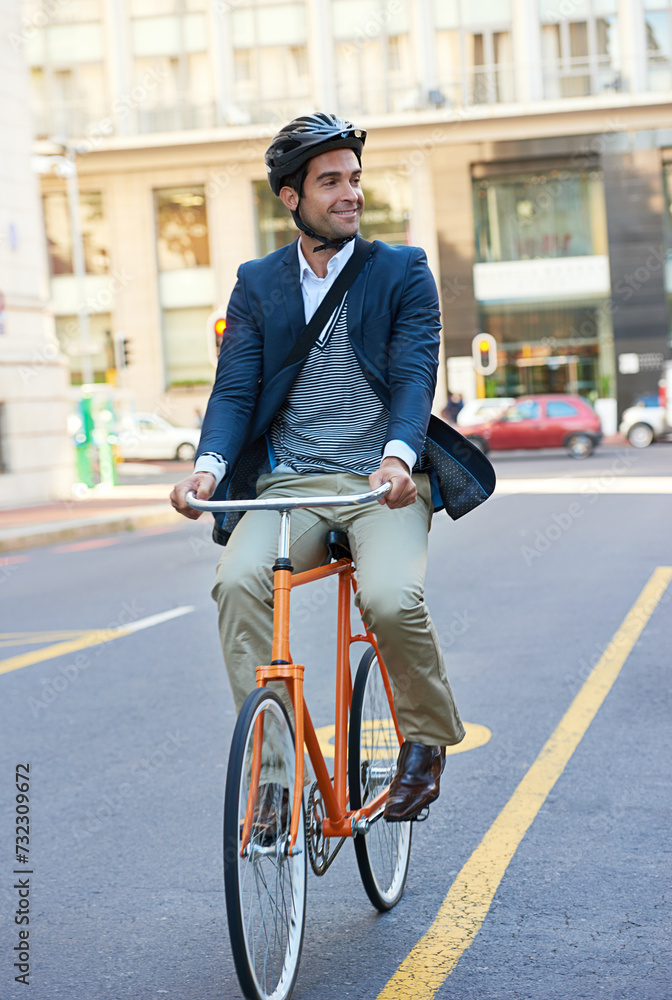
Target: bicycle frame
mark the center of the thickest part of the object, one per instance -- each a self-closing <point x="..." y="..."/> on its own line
<point x="339" y="820"/>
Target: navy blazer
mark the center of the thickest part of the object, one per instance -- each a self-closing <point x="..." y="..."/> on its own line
<point x="394" y="328"/>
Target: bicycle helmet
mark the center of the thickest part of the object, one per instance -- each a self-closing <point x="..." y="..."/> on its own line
<point x="297" y="143"/>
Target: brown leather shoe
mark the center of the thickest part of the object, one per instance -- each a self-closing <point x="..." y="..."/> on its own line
<point x="416" y="782"/>
<point x="265" y="826"/>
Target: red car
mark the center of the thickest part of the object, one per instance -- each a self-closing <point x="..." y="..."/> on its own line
<point x="541" y="422"/>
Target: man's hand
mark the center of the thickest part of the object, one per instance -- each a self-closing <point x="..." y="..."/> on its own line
<point x="201" y="483"/>
<point x="403" y="492"/>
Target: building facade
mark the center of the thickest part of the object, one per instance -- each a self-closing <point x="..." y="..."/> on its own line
<point x="36" y="455"/>
<point x="524" y="143"/>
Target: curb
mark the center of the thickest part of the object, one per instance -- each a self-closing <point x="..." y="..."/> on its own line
<point x="15" y="539"/>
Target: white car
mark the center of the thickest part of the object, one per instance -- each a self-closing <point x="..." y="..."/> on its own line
<point x="477" y="411"/>
<point x="146" y="435"/>
<point x="644" y="424"/>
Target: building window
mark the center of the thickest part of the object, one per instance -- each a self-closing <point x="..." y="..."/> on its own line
<point x="172" y="80"/>
<point x="186" y="285"/>
<point x="553" y="213"/>
<point x="658" y="44"/>
<point x="474" y="52"/>
<point x="67" y="62"/>
<point x="243" y="61"/>
<point x="373" y="57"/>
<point x="184" y="343"/>
<point x="386" y="216"/>
<point x="182" y="229"/>
<point x="95" y="234"/>
<point x="299" y="55"/>
<point x="581" y="52"/>
<point x="394" y="53"/>
<point x="271" y="72"/>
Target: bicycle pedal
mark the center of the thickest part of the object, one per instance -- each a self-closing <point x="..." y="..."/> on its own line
<point x="422" y="815"/>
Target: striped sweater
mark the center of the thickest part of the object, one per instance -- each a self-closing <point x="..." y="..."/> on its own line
<point x="331" y="421"/>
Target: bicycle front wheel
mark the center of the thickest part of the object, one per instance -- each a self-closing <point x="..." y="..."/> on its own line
<point x="383" y="853"/>
<point x="265" y="888"/>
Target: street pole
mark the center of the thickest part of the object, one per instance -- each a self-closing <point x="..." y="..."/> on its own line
<point x="69" y="169"/>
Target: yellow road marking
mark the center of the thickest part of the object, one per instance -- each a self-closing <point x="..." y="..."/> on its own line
<point x="32" y="638"/>
<point x="92" y="638"/>
<point x="476" y="736"/>
<point x="50" y="634"/>
<point x="466" y="906"/>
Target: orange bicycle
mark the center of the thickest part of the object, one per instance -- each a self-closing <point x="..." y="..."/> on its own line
<point x="268" y="829"/>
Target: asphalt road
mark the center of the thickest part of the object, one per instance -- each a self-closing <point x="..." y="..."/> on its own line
<point x="127" y="742"/>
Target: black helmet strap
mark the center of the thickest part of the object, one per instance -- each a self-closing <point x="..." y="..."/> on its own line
<point x="326" y="244"/>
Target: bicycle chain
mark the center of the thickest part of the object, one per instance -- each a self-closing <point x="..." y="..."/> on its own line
<point x="318" y="846"/>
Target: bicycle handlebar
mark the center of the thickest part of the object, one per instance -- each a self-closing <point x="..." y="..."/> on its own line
<point x="287" y="503"/>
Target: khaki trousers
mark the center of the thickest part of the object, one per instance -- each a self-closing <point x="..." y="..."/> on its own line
<point x="390" y="552"/>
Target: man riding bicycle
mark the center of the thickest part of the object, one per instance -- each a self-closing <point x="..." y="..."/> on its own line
<point x="357" y="408"/>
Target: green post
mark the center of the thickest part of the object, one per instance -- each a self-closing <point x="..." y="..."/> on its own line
<point x="83" y="439"/>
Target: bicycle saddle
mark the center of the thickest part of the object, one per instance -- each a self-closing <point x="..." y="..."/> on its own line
<point x="338" y="545"/>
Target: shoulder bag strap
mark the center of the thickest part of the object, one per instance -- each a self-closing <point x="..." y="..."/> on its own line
<point x="314" y="328"/>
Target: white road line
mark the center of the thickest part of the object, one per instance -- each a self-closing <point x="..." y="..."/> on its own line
<point x="164" y="616"/>
<point x="608" y="484"/>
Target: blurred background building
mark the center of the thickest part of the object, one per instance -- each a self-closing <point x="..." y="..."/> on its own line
<point x="526" y="144"/>
<point x="36" y="457"/>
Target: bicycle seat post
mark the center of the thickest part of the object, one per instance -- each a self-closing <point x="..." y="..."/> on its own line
<point x="282" y="585"/>
<point x="283" y="536"/>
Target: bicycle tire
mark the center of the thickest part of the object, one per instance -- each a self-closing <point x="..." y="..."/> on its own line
<point x="265" y="889"/>
<point x="383" y="853"/>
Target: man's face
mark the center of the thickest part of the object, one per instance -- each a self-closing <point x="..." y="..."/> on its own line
<point x="332" y="200"/>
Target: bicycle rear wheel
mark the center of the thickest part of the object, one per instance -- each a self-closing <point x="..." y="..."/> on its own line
<point x="265" y="888"/>
<point x="383" y="853"/>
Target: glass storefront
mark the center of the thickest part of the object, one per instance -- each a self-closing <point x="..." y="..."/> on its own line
<point x="550" y="213"/>
<point x="386" y="215"/>
<point x="555" y="335"/>
<point x="551" y="348"/>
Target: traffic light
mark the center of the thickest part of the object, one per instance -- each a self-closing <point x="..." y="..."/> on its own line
<point x="122" y="351"/>
<point x="220" y="327"/>
<point x="214" y="327"/>
<point x="484" y="353"/>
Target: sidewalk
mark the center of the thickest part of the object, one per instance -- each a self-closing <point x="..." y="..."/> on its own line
<point x="120" y="508"/>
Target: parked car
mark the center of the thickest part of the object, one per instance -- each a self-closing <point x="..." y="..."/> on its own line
<point x="642" y="424"/>
<point x="146" y="435"/>
<point x="647" y="400"/>
<point x="476" y="411"/>
<point x="541" y="422"/>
